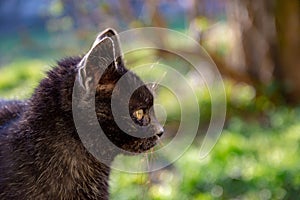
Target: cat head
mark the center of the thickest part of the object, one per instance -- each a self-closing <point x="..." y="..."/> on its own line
<point x="123" y="103"/>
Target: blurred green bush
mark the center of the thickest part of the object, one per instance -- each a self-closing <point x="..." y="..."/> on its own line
<point x="255" y="157"/>
<point x="18" y="79"/>
<point x="250" y="161"/>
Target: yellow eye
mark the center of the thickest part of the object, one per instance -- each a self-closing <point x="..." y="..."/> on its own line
<point x="138" y="114"/>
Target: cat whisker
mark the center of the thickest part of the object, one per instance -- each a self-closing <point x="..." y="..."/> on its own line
<point x="160" y="143"/>
<point x="161" y="78"/>
<point x="152" y="66"/>
<point x="158" y="81"/>
<point x="152" y="155"/>
<point x="147" y="161"/>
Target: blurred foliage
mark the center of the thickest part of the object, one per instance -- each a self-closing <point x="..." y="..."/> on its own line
<point x="254" y="158"/>
<point x="18" y="79"/>
<point x="250" y="161"/>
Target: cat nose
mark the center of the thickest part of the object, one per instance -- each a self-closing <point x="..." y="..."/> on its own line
<point x="160" y="132"/>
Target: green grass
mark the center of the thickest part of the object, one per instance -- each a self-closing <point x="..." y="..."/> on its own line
<point x="18" y="79"/>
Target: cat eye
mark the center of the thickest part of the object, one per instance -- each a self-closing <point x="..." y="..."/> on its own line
<point x="139" y="114"/>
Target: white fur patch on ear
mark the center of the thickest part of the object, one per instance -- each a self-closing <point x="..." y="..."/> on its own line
<point x="85" y="78"/>
<point x="109" y="32"/>
<point x="105" y="34"/>
<point x="97" y="41"/>
<point x="114" y="51"/>
<point x="100" y="39"/>
<point x="82" y="73"/>
<point x="112" y="34"/>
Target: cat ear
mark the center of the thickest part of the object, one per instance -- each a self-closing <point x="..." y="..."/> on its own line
<point x="112" y="34"/>
<point x="101" y="57"/>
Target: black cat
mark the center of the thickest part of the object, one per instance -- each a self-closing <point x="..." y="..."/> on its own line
<point x="41" y="154"/>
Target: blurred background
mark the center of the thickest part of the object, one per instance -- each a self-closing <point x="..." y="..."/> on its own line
<point x="256" y="47"/>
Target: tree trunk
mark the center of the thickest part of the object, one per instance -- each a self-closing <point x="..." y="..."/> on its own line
<point x="288" y="32"/>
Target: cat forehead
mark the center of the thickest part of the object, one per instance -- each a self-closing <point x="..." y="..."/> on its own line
<point x="135" y="82"/>
<point x="131" y="83"/>
<point x="142" y="95"/>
